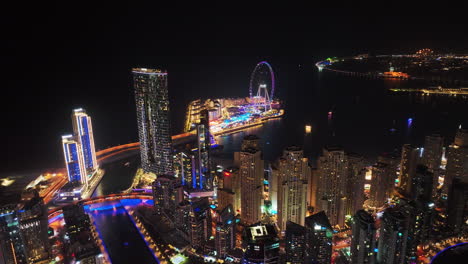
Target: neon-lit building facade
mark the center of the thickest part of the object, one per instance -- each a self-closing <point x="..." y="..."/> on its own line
<point x="74" y="160"/>
<point x="152" y="105"/>
<point x="83" y="130"/>
<point x="203" y="136"/>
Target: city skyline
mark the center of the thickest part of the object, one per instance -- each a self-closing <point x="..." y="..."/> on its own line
<point x="271" y="134"/>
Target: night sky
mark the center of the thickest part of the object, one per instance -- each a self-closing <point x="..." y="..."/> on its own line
<point x="73" y="55"/>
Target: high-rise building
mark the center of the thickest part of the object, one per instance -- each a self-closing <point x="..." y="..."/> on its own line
<point x="319" y="239"/>
<point x="182" y="219"/>
<point x="382" y="184"/>
<point x="457" y="208"/>
<point x="83" y="131"/>
<point x="294" y="171"/>
<point x="203" y="140"/>
<point x="164" y="193"/>
<point x="393" y="236"/>
<point x="184" y="168"/>
<point x="12" y="246"/>
<point x="200" y="222"/>
<point x="251" y="177"/>
<point x="262" y="244"/>
<point x="154" y="130"/>
<point x="355" y="183"/>
<point x="332" y="166"/>
<point x="296" y="242"/>
<point x="83" y="244"/>
<point x="231" y="191"/>
<point x="74" y="160"/>
<point x="225" y="237"/>
<point x="363" y="242"/>
<point x="457" y="160"/>
<point x="33" y="226"/>
<point x="409" y="161"/>
<point x="422" y="184"/>
<point x="432" y="153"/>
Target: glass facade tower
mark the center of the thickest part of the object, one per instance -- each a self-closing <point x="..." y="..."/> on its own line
<point x="152" y="106"/>
<point x="74" y="160"/>
<point x="83" y="130"/>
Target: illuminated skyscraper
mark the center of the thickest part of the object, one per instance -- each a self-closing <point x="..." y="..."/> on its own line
<point x="225" y="237"/>
<point x="74" y="160"/>
<point x="83" y="131"/>
<point x="432" y="154"/>
<point x="332" y="166"/>
<point x="319" y="239"/>
<point x="203" y="136"/>
<point x="409" y="161"/>
<point x="12" y="247"/>
<point x="393" y="236"/>
<point x="262" y="244"/>
<point x="294" y="173"/>
<point x="251" y="177"/>
<point x="154" y="130"/>
<point x="382" y="184"/>
<point x="296" y="237"/>
<point x="164" y="193"/>
<point x="457" y="160"/>
<point x="363" y="242"/>
<point x="354" y="183"/>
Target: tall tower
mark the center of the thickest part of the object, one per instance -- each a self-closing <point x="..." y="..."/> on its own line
<point x="363" y="243"/>
<point x="457" y="160"/>
<point x="294" y="173"/>
<point x="154" y="130"/>
<point x="319" y="237"/>
<point x="331" y="197"/>
<point x="432" y="155"/>
<point x="393" y="236"/>
<point x="409" y="161"/>
<point x="74" y="160"/>
<point x="296" y="239"/>
<point x="203" y="138"/>
<point x="251" y="175"/>
<point x="382" y="184"/>
<point x="83" y="131"/>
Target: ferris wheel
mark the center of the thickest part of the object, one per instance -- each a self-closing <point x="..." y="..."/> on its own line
<point x="263" y="81"/>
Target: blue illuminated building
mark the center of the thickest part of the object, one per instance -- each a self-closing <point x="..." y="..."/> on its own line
<point x="74" y="160"/>
<point x="83" y="131"/>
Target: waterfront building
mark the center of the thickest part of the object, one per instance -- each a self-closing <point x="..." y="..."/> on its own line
<point x="231" y="191"/>
<point x="83" y="131"/>
<point x="363" y="241"/>
<point x="182" y="219"/>
<point x="332" y="166"/>
<point x="74" y="160"/>
<point x="296" y="241"/>
<point x="154" y="130"/>
<point x="262" y="244"/>
<point x="83" y="242"/>
<point x="251" y="177"/>
<point x="294" y="172"/>
<point x="319" y="238"/>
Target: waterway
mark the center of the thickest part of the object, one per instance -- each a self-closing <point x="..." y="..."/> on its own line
<point x="365" y="117"/>
<point x="121" y="238"/>
<point x="119" y="172"/>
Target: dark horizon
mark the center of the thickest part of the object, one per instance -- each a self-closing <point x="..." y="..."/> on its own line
<point x="73" y="56"/>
